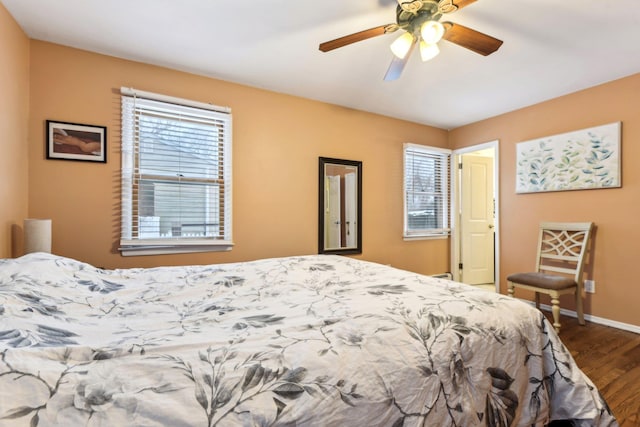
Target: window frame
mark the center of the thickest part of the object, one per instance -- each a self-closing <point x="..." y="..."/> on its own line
<point x="132" y="176"/>
<point x="445" y="182"/>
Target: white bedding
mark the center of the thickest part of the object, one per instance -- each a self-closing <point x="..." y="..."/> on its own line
<point x="300" y="341"/>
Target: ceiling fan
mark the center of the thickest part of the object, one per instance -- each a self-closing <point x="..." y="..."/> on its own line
<point x="420" y="21"/>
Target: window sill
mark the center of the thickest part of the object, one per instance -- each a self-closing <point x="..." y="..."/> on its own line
<point x="430" y="237"/>
<point x="140" y="248"/>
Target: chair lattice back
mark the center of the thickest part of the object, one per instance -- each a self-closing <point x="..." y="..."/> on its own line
<point x="562" y="248"/>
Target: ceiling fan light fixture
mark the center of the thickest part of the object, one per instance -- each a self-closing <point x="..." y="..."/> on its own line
<point x="400" y="47"/>
<point x="432" y="32"/>
<point x="428" y="51"/>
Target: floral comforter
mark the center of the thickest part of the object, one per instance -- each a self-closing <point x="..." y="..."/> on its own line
<point x="299" y="341"/>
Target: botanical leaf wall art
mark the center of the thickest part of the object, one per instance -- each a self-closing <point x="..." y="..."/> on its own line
<point x="583" y="159"/>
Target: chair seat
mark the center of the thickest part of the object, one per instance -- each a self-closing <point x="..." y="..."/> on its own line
<point x="542" y="280"/>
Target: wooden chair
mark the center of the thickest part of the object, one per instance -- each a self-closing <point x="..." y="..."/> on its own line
<point x="562" y="248"/>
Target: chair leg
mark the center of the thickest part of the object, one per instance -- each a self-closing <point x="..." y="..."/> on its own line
<point x="555" y="309"/>
<point x="510" y="290"/>
<point x="579" y="308"/>
<point x="538" y="300"/>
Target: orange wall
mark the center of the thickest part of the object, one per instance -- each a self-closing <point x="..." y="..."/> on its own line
<point x="14" y="115"/>
<point x="616" y="212"/>
<point x="277" y="141"/>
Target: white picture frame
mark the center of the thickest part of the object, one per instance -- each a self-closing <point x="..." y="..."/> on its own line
<point x="579" y="160"/>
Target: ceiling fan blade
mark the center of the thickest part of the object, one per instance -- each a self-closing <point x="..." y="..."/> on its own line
<point x="471" y="39"/>
<point x="448" y="6"/>
<point x="357" y="37"/>
<point x="463" y="3"/>
<point x="397" y="64"/>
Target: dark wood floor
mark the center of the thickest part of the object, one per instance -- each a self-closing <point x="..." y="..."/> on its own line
<point x="611" y="358"/>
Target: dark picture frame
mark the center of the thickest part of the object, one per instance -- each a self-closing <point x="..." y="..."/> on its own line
<point x="76" y="141"/>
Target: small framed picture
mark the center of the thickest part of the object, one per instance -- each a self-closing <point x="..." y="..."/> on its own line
<point x="75" y="141"/>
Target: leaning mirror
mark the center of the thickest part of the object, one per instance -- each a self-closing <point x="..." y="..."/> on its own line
<point x="340" y="206"/>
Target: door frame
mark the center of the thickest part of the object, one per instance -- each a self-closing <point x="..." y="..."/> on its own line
<point x="455" y="206"/>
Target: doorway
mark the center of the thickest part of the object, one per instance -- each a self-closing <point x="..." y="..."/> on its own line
<point x="475" y="215"/>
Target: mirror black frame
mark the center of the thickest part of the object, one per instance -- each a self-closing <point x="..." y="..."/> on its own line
<point x="323" y="161"/>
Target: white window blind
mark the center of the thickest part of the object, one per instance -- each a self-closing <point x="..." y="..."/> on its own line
<point x="176" y="177"/>
<point x="426" y="191"/>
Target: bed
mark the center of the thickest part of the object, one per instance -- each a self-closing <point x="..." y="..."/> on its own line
<point x="318" y="340"/>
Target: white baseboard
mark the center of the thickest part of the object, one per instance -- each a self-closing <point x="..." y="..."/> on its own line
<point x="595" y="319"/>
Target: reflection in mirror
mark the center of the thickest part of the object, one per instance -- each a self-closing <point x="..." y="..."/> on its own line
<point x="340" y="206"/>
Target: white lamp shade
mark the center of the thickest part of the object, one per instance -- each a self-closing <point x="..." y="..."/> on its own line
<point x="432" y="32"/>
<point x="428" y="51"/>
<point x="37" y="235"/>
<point x="400" y="47"/>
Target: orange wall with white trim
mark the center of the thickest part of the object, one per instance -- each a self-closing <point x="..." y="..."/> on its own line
<point x="14" y="116"/>
<point x="615" y="211"/>
<point x="277" y="140"/>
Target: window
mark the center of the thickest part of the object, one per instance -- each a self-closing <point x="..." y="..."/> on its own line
<point x="176" y="175"/>
<point x="426" y="191"/>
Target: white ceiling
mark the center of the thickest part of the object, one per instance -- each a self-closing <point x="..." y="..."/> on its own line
<point x="551" y="48"/>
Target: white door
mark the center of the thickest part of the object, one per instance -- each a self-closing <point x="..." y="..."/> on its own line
<point x="332" y="213"/>
<point x="477" y="220"/>
<point x="350" y="216"/>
